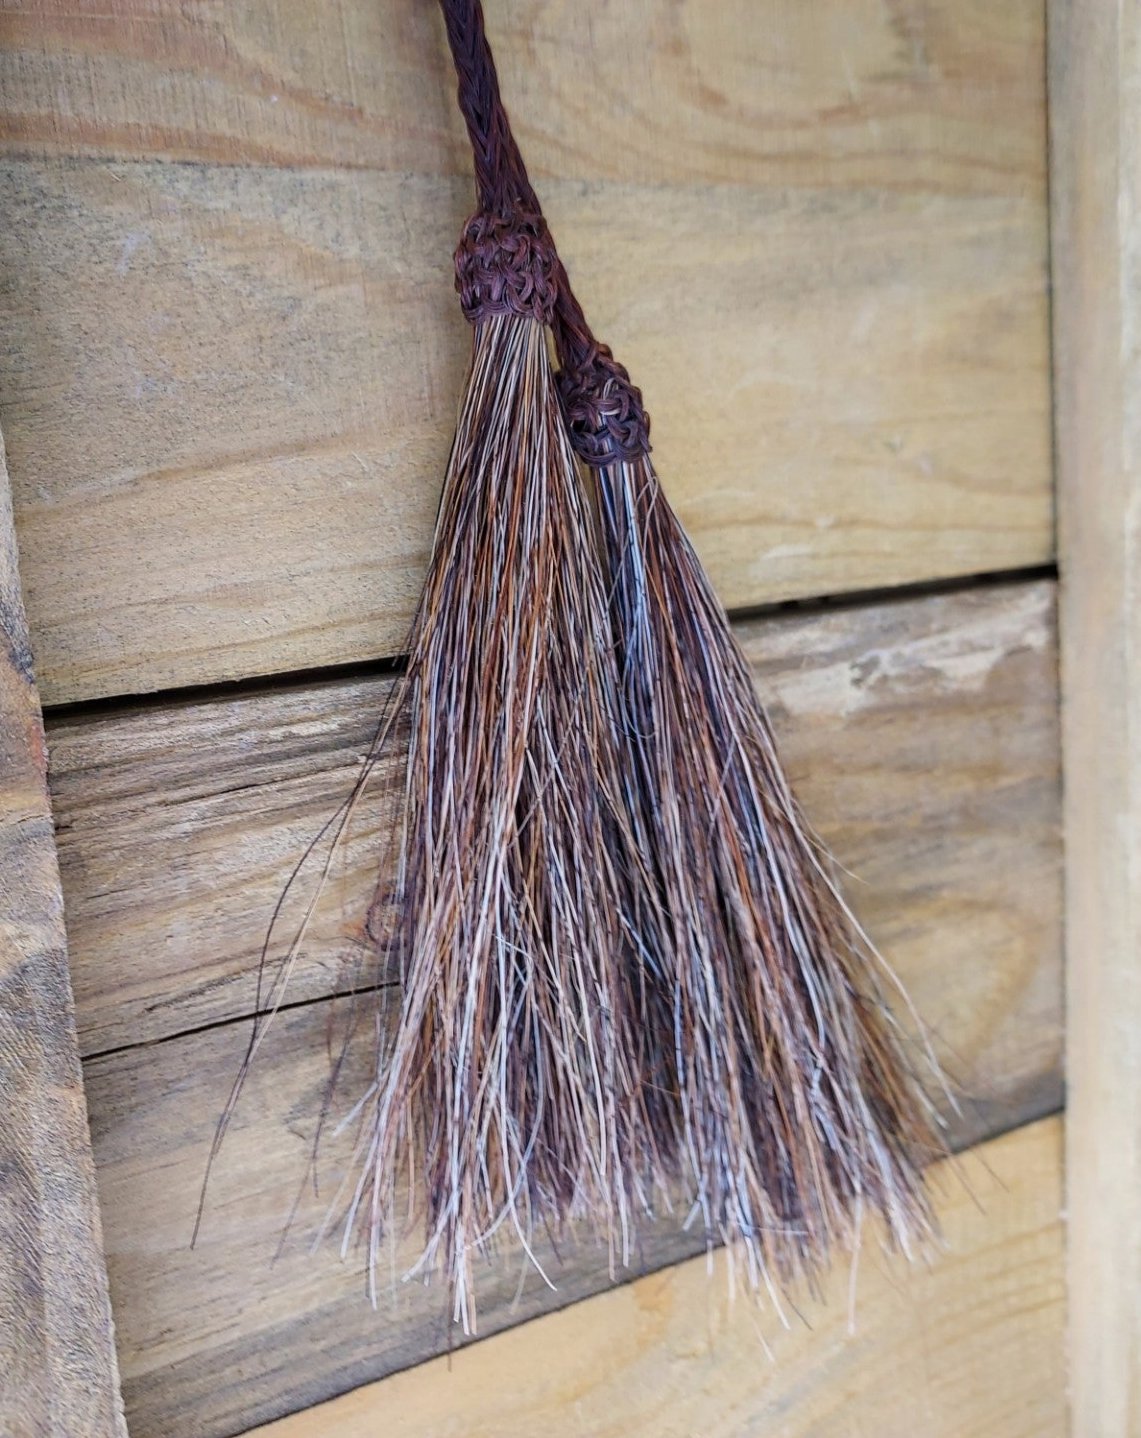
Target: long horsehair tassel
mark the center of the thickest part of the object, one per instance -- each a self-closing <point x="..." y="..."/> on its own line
<point x="505" y="1074"/>
<point x="516" y="1074"/>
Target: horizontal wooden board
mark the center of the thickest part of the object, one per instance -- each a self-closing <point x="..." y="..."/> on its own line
<point x="240" y="1330"/>
<point x="229" y="394"/>
<point x="235" y="1331"/>
<point x="944" y="96"/>
<point x="921" y="733"/>
<point x="972" y="1344"/>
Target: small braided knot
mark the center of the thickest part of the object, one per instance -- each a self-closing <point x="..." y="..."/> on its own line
<point x="506" y="264"/>
<point x="603" y="410"/>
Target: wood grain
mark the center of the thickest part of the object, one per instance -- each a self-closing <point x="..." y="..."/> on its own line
<point x="58" y="1377"/>
<point x="972" y="1344"/>
<point x="1095" y="78"/>
<point x="943" y="96"/>
<point x="229" y="395"/>
<point x="921" y="733"/>
<point x="234" y="1332"/>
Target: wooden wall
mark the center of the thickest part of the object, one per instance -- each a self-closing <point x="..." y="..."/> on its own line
<point x="229" y="361"/>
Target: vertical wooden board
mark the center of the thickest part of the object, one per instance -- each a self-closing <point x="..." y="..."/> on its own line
<point x="945" y="96"/>
<point x="58" y="1375"/>
<point x="971" y="1344"/>
<point x="229" y="396"/>
<point x="1095" y="87"/>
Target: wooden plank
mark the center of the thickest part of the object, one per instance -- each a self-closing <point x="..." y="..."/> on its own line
<point x="58" y="1376"/>
<point x="946" y="96"/>
<point x="236" y="1332"/>
<point x="922" y="735"/>
<point x="1095" y="79"/>
<point x="229" y="395"/>
<point x="925" y="736"/>
<point x="972" y="1344"/>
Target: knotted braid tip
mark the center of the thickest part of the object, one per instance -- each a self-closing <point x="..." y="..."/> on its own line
<point x="506" y="264"/>
<point x="603" y="411"/>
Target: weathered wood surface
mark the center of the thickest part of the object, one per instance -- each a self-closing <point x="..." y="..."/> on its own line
<point x="921" y="733"/>
<point x="58" y="1377"/>
<point x="219" y="1338"/>
<point x="944" y="95"/>
<point x="973" y="1344"/>
<point x="229" y="392"/>
<point x="1095" y="79"/>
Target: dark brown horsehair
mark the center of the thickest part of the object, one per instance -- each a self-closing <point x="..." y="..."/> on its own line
<point x="515" y="1067"/>
<point x="794" y="1105"/>
<point x="625" y="970"/>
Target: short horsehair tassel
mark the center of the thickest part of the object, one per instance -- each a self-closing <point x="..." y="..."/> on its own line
<point x="788" y="1082"/>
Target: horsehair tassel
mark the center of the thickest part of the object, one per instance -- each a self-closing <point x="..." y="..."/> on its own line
<point x="795" y="1102"/>
<point x="527" y="1080"/>
<point x="625" y="973"/>
<point x="516" y="1075"/>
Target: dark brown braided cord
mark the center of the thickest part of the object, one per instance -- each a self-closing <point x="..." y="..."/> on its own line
<point x="507" y="261"/>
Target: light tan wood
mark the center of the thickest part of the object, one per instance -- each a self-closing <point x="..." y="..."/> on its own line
<point x="1095" y="79"/>
<point x="229" y="395"/>
<point x="922" y="735"/>
<point x="214" y="1339"/>
<point x="58" y="1376"/>
<point x="947" y="96"/>
<point x="970" y="1345"/>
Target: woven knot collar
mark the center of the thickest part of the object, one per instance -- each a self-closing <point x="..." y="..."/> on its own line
<point x="603" y="410"/>
<point x="506" y="265"/>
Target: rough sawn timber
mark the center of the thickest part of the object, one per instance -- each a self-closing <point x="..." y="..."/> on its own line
<point x="58" y="1375"/>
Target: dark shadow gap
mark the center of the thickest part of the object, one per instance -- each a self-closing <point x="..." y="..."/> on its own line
<point x="378" y="668"/>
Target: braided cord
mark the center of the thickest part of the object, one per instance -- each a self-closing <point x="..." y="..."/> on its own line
<point x="507" y="260"/>
<point x="500" y="174"/>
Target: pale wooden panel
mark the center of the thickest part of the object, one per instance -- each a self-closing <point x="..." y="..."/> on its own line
<point x="58" y="1375"/>
<point x="944" y="95"/>
<point x="220" y="1337"/>
<point x="972" y="1344"/>
<point x="1095" y="78"/>
<point x="229" y="396"/>
<point x="921" y="733"/>
<point x="924" y="736"/>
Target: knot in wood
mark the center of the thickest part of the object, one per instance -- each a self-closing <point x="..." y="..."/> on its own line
<point x="603" y="411"/>
<point x="506" y="265"/>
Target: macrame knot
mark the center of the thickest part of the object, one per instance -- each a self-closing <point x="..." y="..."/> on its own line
<point x="506" y="265"/>
<point x="603" y="410"/>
